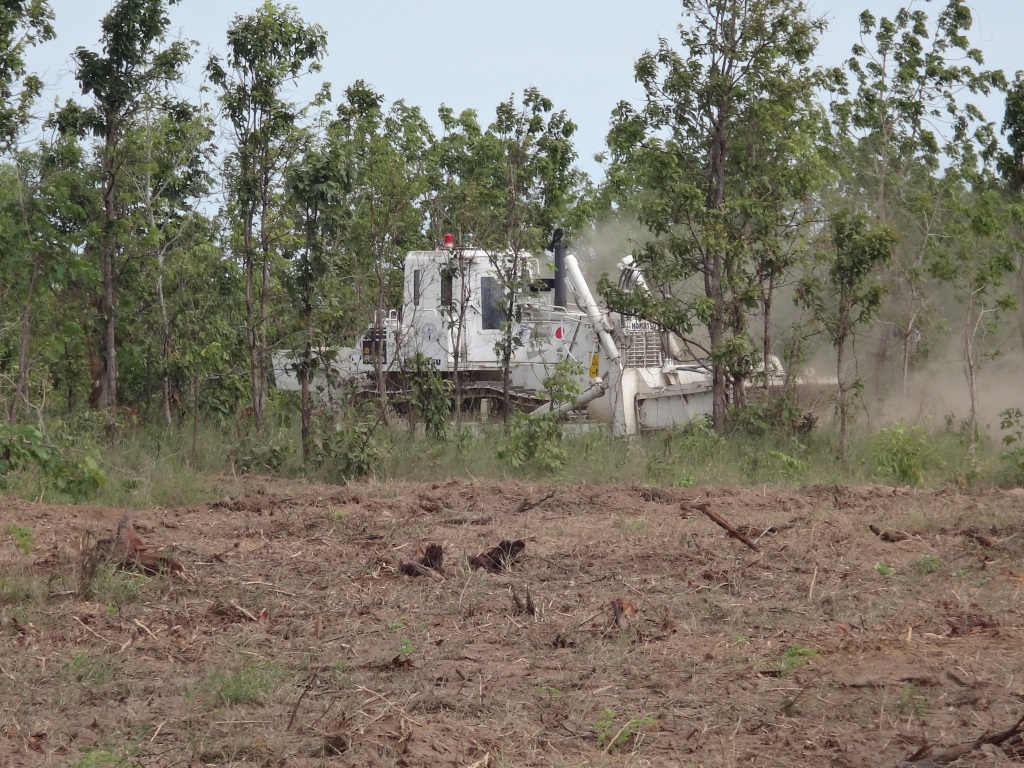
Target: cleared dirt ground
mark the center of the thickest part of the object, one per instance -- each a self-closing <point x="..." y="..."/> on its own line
<point x="292" y="638"/>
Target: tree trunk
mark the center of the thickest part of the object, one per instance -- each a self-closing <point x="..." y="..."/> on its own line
<point x="380" y="327"/>
<point x="108" y="373"/>
<point x="972" y="385"/>
<point x="908" y="334"/>
<point x="767" y="340"/>
<point x="716" y="332"/>
<point x="306" y="410"/>
<point x="21" y="386"/>
<point x="250" y="320"/>
<point x="165" y="342"/>
<point x="107" y="248"/>
<point x="841" y="394"/>
<point x="714" y="269"/>
<point x="970" y="366"/>
<point x="1020" y="303"/>
<point x="460" y="326"/>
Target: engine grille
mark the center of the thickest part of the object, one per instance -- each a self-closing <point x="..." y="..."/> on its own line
<point x="642" y="349"/>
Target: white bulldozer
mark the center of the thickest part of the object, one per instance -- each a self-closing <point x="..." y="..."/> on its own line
<point x="454" y="315"/>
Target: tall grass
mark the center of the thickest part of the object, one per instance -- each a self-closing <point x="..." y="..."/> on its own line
<point x="692" y="457"/>
<point x="147" y="466"/>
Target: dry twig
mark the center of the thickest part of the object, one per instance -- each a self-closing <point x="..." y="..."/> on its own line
<point x="720" y="522"/>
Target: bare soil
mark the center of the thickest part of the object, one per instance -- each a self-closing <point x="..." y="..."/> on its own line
<point x="629" y="629"/>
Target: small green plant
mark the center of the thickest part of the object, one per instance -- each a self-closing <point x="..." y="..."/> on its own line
<point x="537" y="438"/>
<point x="19" y="587"/>
<point x="338" y="674"/>
<point x="263" y="453"/>
<point x="87" y="670"/>
<point x="882" y="569"/>
<point x="930" y="563"/>
<point x="104" y="758"/>
<point x="685" y="480"/>
<point x="109" y="584"/>
<point x="21" y="535"/>
<point x="610" y="735"/>
<point x="338" y="515"/>
<point x="792" y="467"/>
<point x="406" y="649"/>
<point x="430" y="396"/>
<point x="73" y="472"/>
<point x="901" y="453"/>
<point x="249" y="683"/>
<point x="794" y="657"/>
<point x="911" y="703"/>
<point x="353" y="450"/>
<point x="1012" y="420"/>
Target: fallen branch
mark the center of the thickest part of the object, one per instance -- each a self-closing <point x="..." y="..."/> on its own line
<point x="295" y="709"/>
<point x="250" y="616"/>
<point x="526" y="505"/>
<point x="720" y="521"/>
<point x="435" y="507"/>
<point x="924" y="756"/>
<point x="889" y="536"/>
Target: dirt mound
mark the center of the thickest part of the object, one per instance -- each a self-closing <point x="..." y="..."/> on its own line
<point x="610" y="626"/>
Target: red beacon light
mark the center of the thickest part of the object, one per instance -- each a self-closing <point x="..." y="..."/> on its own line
<point x="449" y="242"/>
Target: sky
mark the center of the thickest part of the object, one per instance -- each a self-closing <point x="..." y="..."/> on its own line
<point x="475" y="54"/>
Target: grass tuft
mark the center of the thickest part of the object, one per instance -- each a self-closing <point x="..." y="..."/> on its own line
<point x="251" y="682"/>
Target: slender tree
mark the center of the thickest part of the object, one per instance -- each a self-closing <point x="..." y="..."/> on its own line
<point x="903" y="112"/>
<point x="386" y="152"/>
<point x="167" y="172"/>
<point x="724" y="148"/>
<point x="844" y="293"/>
<point x="268" y="50"/>
<point x="23" y="24"/>
<point x="317" y="184"/>
<point x="509" y="186"/>
<point x="132" y="66"/>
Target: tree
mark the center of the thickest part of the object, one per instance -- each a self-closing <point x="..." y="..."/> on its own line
<point x="902" y="116"/>
<point x="45" y="210"/>
<point x="725" y="148"/>
<point x="973" y="256"/>
<point x="508" y="188"/>
<point x="844" y="293"/>
<point x="316" y="186"/>
<point x="23" y="23"/>
<point x="166" y="170"/>
<point x="1011" y="170"/>
<point x="267" y="50"/>
<point x="387" y="155"/>
<point x="130" y="68"/>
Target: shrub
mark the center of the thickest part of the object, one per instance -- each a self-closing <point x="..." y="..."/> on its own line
<point x="537" y="438"/>
<point x="73" y="472"/>
<point x="901" y="453"/>
<point x="1013" y="459"/>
